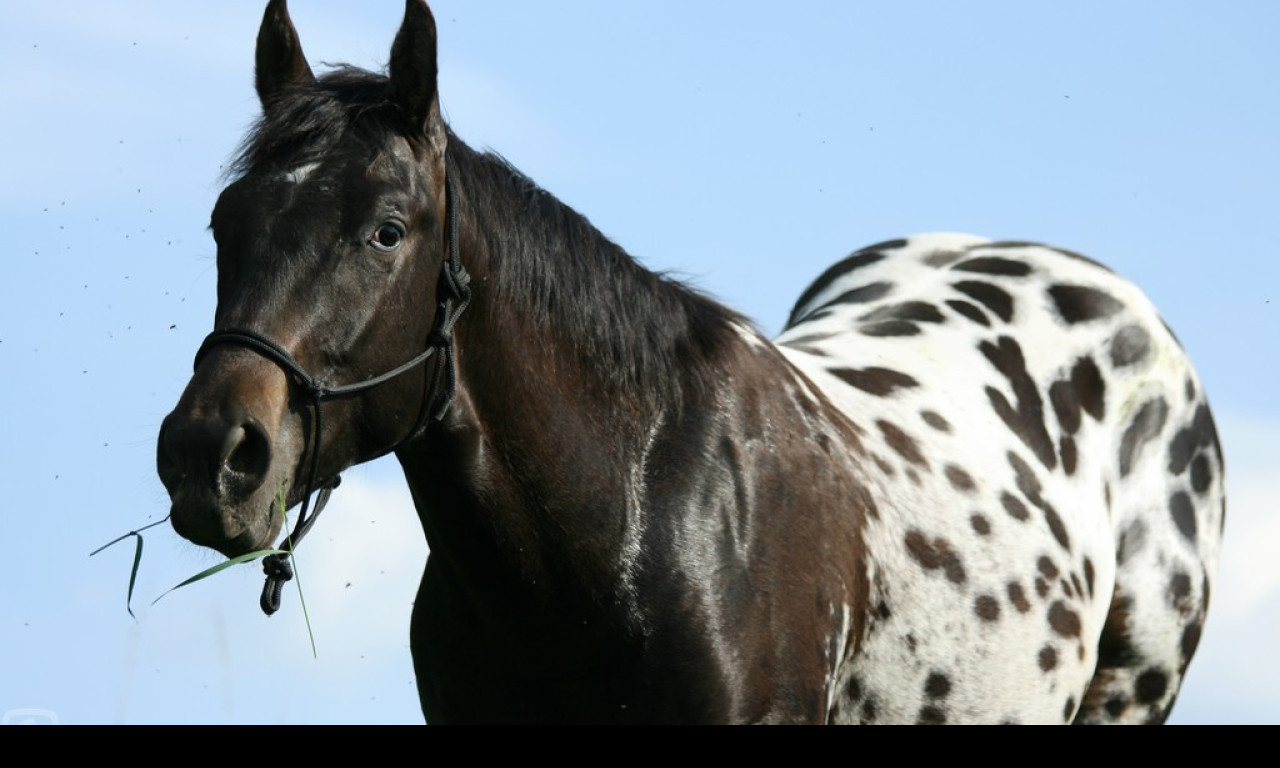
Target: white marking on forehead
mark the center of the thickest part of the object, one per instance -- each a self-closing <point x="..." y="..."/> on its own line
<point x="299" y="174"/>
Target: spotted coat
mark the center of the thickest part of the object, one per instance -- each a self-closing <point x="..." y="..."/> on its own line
<point x="1047" y="479"/>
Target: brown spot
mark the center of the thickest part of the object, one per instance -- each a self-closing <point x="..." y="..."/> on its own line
<point x="936" y="421"/>
<point x="1088" y="575"/>
<point x="1116" y="706"/>
<point x="935" y="555"/>
<point x="980" y="524"/>
<point x="1132" y="540"/>
<point x="1184" y="514"/>
<point x="1025" y="477"/>
<point x="890" y="328"/>
<point x="1046" y="567"/>
<point x="1151" y="686"/>
<point x="911" y="311"/>
<point x="1180" y="593"/>
<point x="931" y="715"/>
<point x="1069" y="709"/>
<point x="1067" y="452"/>
<point x="1190" y="640"/>
<point x="857" y="260"/>
<point x="1048" y="658"/>
<point x="901" y="442"/>
<point x="942" y="258"/>
<point x="869" y="711"/>
<point x="969" y="311"/>
<point x="1201" y="433"/>
<point x="1201" y="474"/>
<point x="1079" y="304"/>
<point x="860" y="295"/>
<point x="1144" y="428"/>
<point x="1030" y="487"/>
<point x="1018" y="598"/>
<point x="1115" y="649"/>
<point x="1082" y="391"/>
<point x="875" y="381"/>
<point x="854" y="689"/>
<point x="1090" y="388"/>
<point x="1064" y="621"/>
<point x="995" y="299"/>
<point x="884" y="465"/>
<point x="994" y="265"/>
<point x="1066" y="406"/>
<point x="1016" y="509"/>
<point x="1042" y="587"/>
<point x="1130" y="345"/>
<point x="1056" y="527"/>
<point x="987" y="608"/>
<point x="937" y="685"/>
<point x="1026" y="420"/>
<point x="960" y="480"/>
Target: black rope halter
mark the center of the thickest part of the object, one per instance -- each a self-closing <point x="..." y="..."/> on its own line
<point x="453" y="293"/>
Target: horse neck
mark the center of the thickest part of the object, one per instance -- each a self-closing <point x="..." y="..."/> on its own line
<point x="570" y="359"/>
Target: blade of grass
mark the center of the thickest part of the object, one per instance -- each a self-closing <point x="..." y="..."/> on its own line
<point x="137" y="560"/>
<point x="206" y="573"/>
<point x="297" y="575"/>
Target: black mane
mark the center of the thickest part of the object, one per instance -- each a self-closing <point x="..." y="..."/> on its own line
<point x="636" y="330"/>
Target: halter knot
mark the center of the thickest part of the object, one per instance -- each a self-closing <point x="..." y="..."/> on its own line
<point x="440" y="337"/>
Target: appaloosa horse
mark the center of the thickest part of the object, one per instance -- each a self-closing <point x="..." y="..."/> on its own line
<point x="971" y="481"/>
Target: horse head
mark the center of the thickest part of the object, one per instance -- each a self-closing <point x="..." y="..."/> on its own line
<point x="332" y="252"/>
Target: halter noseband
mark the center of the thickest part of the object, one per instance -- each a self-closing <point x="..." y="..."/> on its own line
<point x="453" y="287"/>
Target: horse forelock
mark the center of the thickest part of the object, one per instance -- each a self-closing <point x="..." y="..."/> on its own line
<point x="307" y="123"/>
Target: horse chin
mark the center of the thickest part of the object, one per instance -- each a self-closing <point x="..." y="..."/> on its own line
<point x="232" y="530"/>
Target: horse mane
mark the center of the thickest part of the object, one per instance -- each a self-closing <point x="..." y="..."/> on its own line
<point x="640" y="331"/>
<point x="637" y="331"/>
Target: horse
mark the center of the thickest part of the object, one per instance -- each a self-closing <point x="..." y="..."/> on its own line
<point x="971" y="481"/>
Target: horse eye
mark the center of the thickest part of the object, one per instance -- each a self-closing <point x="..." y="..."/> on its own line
<point x="387" y="237"/>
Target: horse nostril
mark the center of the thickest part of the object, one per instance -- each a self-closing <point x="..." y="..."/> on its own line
<point x="246" y="458"/>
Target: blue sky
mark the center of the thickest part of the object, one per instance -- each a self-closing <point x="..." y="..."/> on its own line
<point x="746" y="148"/>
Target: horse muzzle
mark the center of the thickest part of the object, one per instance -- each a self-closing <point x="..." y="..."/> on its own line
<point x="221" y="456"/>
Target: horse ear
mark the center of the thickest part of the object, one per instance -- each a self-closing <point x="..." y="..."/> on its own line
<point x="413" y="71"/>
<point x="279" y="60"/>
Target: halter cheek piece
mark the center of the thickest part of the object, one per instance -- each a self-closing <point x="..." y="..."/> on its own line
<point x="453" y="293"/>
